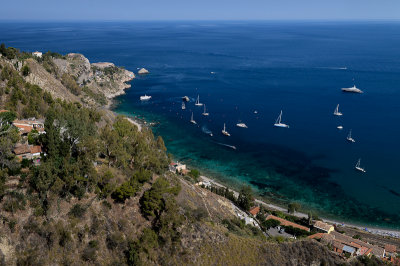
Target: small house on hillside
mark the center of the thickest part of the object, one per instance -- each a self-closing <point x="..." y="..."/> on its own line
<point x="255" y="210"/>
<point x="37" y="54"/>
<point x="30" y="152"/>
<point x="324" y="227"/>
<point x="27" y="125"/>
<point x="177" y="167"/>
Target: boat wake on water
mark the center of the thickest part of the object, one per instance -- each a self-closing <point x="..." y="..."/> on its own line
<point x="206" y="130"/>
<point x="226" y="145"/>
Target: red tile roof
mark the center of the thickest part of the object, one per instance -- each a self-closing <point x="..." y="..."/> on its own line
<point x="288" y="223"/>
<point x="390" y="248"/>
<point x="36" y="149"/>
<point x="316" y="236"/>
<point x="22" y="149"/>
<point x="255" y="210"/>
<point x="24" y="129"/>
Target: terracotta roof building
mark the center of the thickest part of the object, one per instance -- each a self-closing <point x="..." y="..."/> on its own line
<point x="288" y="223"/>
<point x="360" y="247"/>
<point x="390" y="248"/>
<point x="30" y="152"/>
<point x="324" y="227"/>
<point x="27" y="125"/>
<point x="255" y="210"/>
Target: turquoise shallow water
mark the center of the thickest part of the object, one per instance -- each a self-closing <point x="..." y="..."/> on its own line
<point x="265" y="66"/>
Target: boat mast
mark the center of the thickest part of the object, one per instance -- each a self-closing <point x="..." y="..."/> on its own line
<point x="278" y="121"/>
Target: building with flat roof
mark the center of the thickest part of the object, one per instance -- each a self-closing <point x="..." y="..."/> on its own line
<point x="37" y="54"/>
<point x="324" y="227"/>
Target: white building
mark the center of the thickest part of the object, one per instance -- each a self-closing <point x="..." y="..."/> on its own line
<point x="37" y="54"/>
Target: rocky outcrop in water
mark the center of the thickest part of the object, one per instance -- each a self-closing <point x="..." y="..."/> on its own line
<point x="143" y="71"/>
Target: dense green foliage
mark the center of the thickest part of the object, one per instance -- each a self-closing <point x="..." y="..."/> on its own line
<point x="267" y="224"/>
<point x="246" y="198"/>
<point x="293" y="206"/>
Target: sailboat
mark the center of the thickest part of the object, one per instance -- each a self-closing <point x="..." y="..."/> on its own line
<point x="349" y="138"/>
<point x="183" y="106"/>
<point x="198" y="103"/>
<point x="358" y="167"/>
<point x="278" y="122"/>
<point x="336" y="112"/>
<point x="205" y="112"/>
<point x="192" y="120"/>
<point x="225" y="132"/>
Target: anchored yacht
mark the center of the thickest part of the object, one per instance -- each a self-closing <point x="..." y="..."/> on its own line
<point x="205" y="112"/>
<point x="349" y="138"/>
<point x="353" y="89"/>
<point x="145" y="97"/>
<point x="336" y="112"/>
<point x="278" y="122"/>
<point x="242" y="125"/>
<point x="358" y="167"/>
<point x="192" y="120"/>
<point x="225" y="132"/>
<point x="198" y="103"/>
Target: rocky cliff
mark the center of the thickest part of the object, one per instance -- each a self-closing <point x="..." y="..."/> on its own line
<point x="98" y="82"/>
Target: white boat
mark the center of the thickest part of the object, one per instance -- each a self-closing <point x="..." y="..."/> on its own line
<point x="183" y="106"/>
<point x="358" y="167"/>
<point x="192" y="120"/>
<point x="278" y="122"/>
<point x="256" y="112"/>
<point x="225" y="132"/>
<point x="340" y="127"/>
<point x="353" y="89"/>
<point x="242" y="125"/>
<point x="185" y="99"/>
<point x="198" y="103"/>
<point x="336" y="112"/>
<point x="349" y="138"/>
<point x="205" y="112"/>
<point x="145" y="97"/>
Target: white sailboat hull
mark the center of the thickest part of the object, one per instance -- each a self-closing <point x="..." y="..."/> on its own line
<point x="281" y="125"/>
<point x="242" y="125"/>
<point x="193" y="122"/>
<point x="205" y="114"/>
<point x="360" y="169"/>
<point x="226" y="133"/>
<point x="351" y="140"/>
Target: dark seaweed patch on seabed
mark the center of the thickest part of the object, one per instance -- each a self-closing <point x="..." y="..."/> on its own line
<point x="300" y="170"/>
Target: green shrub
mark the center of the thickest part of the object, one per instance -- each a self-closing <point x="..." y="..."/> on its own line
<point x="77" y="211"/>
<point x="25" y="70"/>
<point x="124" y="191"/>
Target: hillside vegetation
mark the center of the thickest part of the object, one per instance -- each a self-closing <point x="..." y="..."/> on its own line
<point x="102" y="193"/>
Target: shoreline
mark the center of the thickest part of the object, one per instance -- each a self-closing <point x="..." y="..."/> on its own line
<point x="372" y="230"/>
<point x="376" y="230"/>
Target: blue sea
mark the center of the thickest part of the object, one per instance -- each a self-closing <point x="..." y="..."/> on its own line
<point x="240" y="67"/>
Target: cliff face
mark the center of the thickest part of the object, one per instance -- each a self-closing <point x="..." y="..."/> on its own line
<point x="98" y="82"/>
<point x="39" y="76"/>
